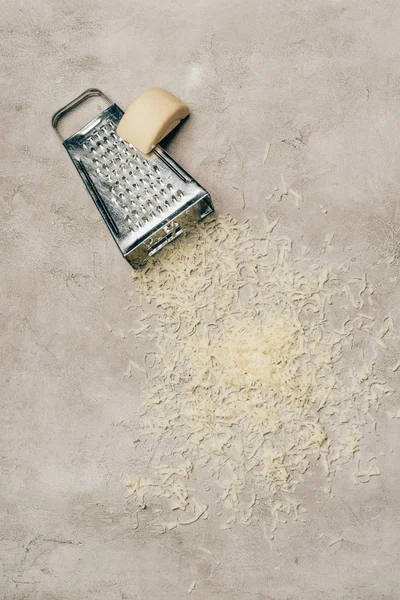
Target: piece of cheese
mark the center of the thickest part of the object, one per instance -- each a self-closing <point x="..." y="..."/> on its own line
<point x="152" y="116"/>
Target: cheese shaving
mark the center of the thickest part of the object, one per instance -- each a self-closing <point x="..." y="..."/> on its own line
<point x="297" y="196"/>
<point x="284" y="186"/>
<point x="336" y="541"/>
<point x="266" y="152"/>
<point x="258" y="374"/>
<point x="396" y="367"/>
<point x="192" y="587"/>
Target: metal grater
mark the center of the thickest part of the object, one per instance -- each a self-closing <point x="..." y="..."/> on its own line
<point x="146" y="200"/>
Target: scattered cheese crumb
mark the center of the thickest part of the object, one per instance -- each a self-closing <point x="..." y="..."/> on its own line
<point x="396" y="367"/>
<point x="250" y="383"/>
<point x="336" y="541"/>
<point x="297" y="196"/>
<point x="243" y="198"/>
<point x="284" y="186"/>
<point x="272" y="194"/>
<point x="266" y="152"/>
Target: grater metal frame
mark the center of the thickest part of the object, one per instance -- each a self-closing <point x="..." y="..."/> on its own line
<point x="146" y="201"/>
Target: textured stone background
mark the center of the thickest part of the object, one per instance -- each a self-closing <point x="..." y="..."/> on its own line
<point x="324" y="71"/>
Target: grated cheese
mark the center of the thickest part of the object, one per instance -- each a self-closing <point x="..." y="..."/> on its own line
<point x="297" y="196"/>
<point x="336" y="541"/>
<point x="396" y="366"/>
<point x="284" y="186"/>
<point x="266" y="152"/>
<point x="243" y="197"/>
<point x="257" y="375"/>
<point x="272" y="194"/>
<point x="192" y="587"/>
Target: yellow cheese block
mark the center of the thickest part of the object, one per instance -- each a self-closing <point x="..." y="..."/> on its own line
<point x="152" y="116"/>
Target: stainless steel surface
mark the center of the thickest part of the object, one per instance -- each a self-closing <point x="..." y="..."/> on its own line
<point x="74" y="104"/>
<point x="146" y="200"/>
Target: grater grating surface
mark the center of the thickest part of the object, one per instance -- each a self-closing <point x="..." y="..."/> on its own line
<point x="146" y="200"/>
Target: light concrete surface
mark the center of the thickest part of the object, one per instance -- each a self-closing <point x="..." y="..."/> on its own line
<point x="320" y="80"/>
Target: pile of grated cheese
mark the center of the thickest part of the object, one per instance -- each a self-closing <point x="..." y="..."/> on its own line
<point x="262" y="367"/>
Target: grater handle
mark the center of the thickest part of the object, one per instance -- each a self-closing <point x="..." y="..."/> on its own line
<point x="73" y="104"/>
